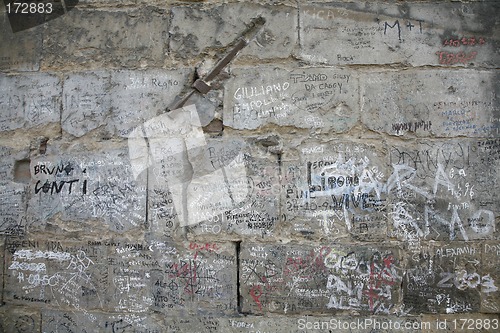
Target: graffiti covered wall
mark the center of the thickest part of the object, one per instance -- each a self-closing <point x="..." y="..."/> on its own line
<point x="337" y="171"/>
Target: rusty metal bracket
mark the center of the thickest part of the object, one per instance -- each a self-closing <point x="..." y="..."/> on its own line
<point x="202" y="85"/>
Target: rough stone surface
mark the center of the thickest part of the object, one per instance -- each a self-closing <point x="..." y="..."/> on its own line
<point x="490" y="270"/>
<point x="86" y="102"/>
<point x="316" y="98"/>
<point x="117" y="101"/>
<point x="334" y="190"/>
<point x="13" y="191"/>
<point x="431" y="103"/>
<point x="139" y="96"/>
<point x="103" y="37"/>
<point x="222" y="24"/>
<point x="28" y="101"/>
<point x="24" y="48"/>
<point x="445" y="278"/>
<point x="340" y="174"/>
<point x="327" y="278"/>
<point x="232" y="189"/>
<point x="19" y="319"/>
<point x="442" y="190"/>
<point x="451" y="34"/>
<point x="87" y="188"/>
<point x="122" y="276"/>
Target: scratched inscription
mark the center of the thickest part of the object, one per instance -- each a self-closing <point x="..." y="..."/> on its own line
<point x="442" y="191"/>
<point x="316" y="98"/>
<point x="335" y="189"/>
<point x="85" y="188"/>
<point x="428" y="103"/>
<point x="290" y="279"/>
<point x="27" y="101"/>
<point x="352" y="33"/>
<point x="446" y="278"/>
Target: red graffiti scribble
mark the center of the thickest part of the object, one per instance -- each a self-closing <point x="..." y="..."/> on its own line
<point x="256" y="292"/>
<point x="464" y="41"/>
<point x="210" y="247"/>
<point x="379" y="279"/>
<point x="449" y="58"/>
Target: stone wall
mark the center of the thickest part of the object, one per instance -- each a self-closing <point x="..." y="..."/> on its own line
<point x="341" y="174"/>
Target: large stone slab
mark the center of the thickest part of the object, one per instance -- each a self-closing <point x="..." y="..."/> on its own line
<point x="120" y="276"/>
<point x="139" y="96"/>
<point x="445" y="278"/>
<point x="28" y="101"/>
<point x="86" y="101"/>
<point x="196" y="29"/>
<point x="316" y="98"/>
<point x="293" y="324"/>
<point x="210" y="185"/>
<point x="52" y="273"/>
<point x="19" y="319"/>
<point x="13" y="199"/>
<point x="441" y="190"/>
<point x="233" y="189"/>
<point x="92" y="190"/>
<point x="197" y="277"/>
<point x="24" y="48"/>
<point x="118" y="101"/>
<point x="124" y="37"/>
<point x="490" y="281"/>
<point x="246" y="198"/>
<point x="334" y="189"/>
<point x="431" y="103"/>
<point x="14" y="175"/>
<point x="2" y="274"/>
<point x="448" y="34"/>
<point x="85" y="321"/>
<point x="291" y="279"/>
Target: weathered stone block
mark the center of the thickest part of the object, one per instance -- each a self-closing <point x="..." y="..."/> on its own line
<point x="52" y="273"/>
<point x="86" y="102"/>
<point x="426" y="103"/>
<point x="28" y="101"/>
<point x="13" y="191"/>
<point x="209" y="185"/>
<point x="24" y="48"/>
<point x="120" y="276"/>
<point x="442" y="190"/>
<point x="490" y="279"/>
<point x="329" y="278"/>
<point x="103" y="37"/>
<point x="444" y="278"/>
<point x="93" y="191"/>
<point x="293" y="324"/>
<point x="410" y="33"/>
<point x="334" y="189"/>
<point x="2" y="275"/>
<point x="84" y="321"/>
<point x="316" y="98"/>
<point x="137" y="97"/>
<point x="235" y="189"/>
<point x="195" y="29"/>
<point x="19" y="319"/>
<point x="118" y="101"/>
<point x="13" y="198"/>
<point x="195" y="277"/>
